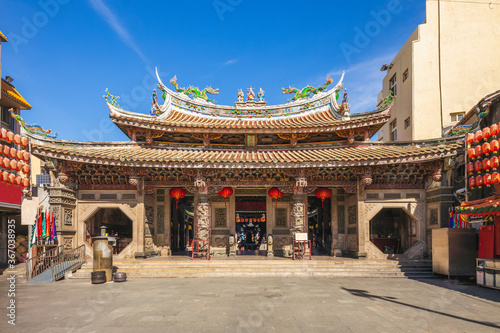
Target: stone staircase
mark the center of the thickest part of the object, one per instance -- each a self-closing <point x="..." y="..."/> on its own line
<point x="417" y="268"/>
<point x="331" y="267"/>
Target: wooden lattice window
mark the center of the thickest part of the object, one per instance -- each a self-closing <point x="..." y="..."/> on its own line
<point x="281" y="217"/>
<point x="220" y="217"/>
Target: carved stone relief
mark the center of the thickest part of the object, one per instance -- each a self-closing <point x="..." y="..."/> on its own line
<point x="68" y="217"/>
<point x="298" y="217"/>
<point x="68" y="243"/>
<point x="203" y="220"/>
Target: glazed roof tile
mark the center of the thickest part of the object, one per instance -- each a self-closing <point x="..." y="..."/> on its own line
<point x="322" y="121"/>
<point x="3" y="38"/>
<point x="137" y="155"/>
<point x="11" y="92"/>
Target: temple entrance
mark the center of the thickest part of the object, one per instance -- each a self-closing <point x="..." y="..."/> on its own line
<point x="181" y="223"/>
<point x="251" y="225"/>
<point x="393" y="230"/>
<point x="320" y="225"/>
<point x="117" y="225"/>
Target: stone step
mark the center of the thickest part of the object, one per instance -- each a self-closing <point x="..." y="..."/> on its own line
<point x="140" y="274"/>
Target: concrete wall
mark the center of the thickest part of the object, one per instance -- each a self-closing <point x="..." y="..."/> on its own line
<point x="466" y="39"/>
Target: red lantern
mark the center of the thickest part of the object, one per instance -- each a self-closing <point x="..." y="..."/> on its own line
<point x="472" y="182"/>
<point x="225" y="193"/>
<point x="486" y="133"/>
<point x="177" y="193"/>
<point x="494" y="146"/>
<point x="494" y="130"/>
<point x="470" y="138"/>
<point x="470" y="168"/>
<point x="472" y="153"/>
<point x="479" y="181"/>
<point x="275" y="193"/>
<point x="495" y="177"/>
<point x="486" y="164"/>
<point x="478" y="135"/>
<point x="487" y="180"/>
<point x="478" y="166"/>
<point x="323" y="193"/>
<point x="494" y="162"/>
<point x="478" y="151"/>
<point x="486" y="148"/>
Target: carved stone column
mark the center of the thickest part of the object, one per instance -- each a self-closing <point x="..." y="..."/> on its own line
<point x="203" y="214"/>
<point x="298" y="214"/>
<point x="62" y="203"/>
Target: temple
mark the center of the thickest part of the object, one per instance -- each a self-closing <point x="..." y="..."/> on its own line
<point x="248" y="178"/>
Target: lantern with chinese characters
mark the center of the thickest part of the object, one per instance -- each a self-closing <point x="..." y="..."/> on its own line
<point x="494" y="130"/>
<point x="226" y="192"/>
<point x="478" y="152"/>
<point x="478" y="166"/>
<point x="472" y="153"/>
<point x="472" y="182"/>
<point x="487" y="180"/>
<point x="275" y="193"/>
<point x="486" y="164"/>
<point x="470" y="168"/>
<point x="494" y="146"/>
<point x="478" y="135"/>
<point x="479" y="181"/>
<point x="495" y="178"/>
<point x="494" y="162"/>
<point x="486" y="133"/>
<point x="323" y="193"/>
<point x="486" y="148"/>
<point x="177" y="193"/>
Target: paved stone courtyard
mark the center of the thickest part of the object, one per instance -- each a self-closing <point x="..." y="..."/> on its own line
<point x="254" y="305"/>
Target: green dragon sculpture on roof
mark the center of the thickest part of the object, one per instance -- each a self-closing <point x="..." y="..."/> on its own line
<point x="193" y="92"/>
<point x="307" y="91"/>
<point x="34" y="128"/>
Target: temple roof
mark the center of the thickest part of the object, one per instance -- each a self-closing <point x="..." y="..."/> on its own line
<point x="323" y="120"/>
<point x="196" y="119"/>
<point x="10" y="91"/>
<point x="3" y="38"/>
<point x="135" y="155"/>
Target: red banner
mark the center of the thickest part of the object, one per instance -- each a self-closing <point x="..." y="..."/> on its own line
<point x="10" y="193"/>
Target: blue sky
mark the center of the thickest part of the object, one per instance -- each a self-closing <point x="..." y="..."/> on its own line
<point x="63" y="54"/>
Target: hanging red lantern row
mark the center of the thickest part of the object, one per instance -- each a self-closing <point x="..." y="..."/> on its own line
<point x="226" y="192"/>
<point x="323" y="193"/>
<point x="11" y="178"/>
<point x="14" y="153"/>
<point x="275" y="193"/>
<point x="13" y="138"/>
<point x="177" y="193"/>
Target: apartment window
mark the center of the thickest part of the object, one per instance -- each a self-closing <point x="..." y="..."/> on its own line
<point x="405" y="75"/>
<point x="454" y="117"/>
<point x="6" y="117"/>
<point x="407" y="122"/>
<point x="394" y="131"/>
<point x="393" y="85"/>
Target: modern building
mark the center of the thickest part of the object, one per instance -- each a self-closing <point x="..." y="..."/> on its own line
<point x="10" y="192"/>
<point x="240" y="176"/>
<point x="444" y="68"/>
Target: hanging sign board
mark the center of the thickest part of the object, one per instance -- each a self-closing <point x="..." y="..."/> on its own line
<point x="302" y="236"/>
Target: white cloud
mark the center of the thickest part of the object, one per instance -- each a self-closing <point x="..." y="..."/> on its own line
<point x="230" y="62"/>
<point x="117" y="26"/>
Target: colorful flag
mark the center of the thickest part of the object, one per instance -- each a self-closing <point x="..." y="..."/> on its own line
<point x="54" y="231"/>
<point x="34" y="233"/>
<point x="39" y="226"/>
<point x="450" y="218"/>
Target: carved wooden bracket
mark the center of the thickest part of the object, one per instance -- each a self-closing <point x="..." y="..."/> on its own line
<point x="293" y="137"/>
<point x="206" y="137"/>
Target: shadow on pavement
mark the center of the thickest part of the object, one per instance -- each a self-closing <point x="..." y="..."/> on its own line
<point x="366" y="294"/>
